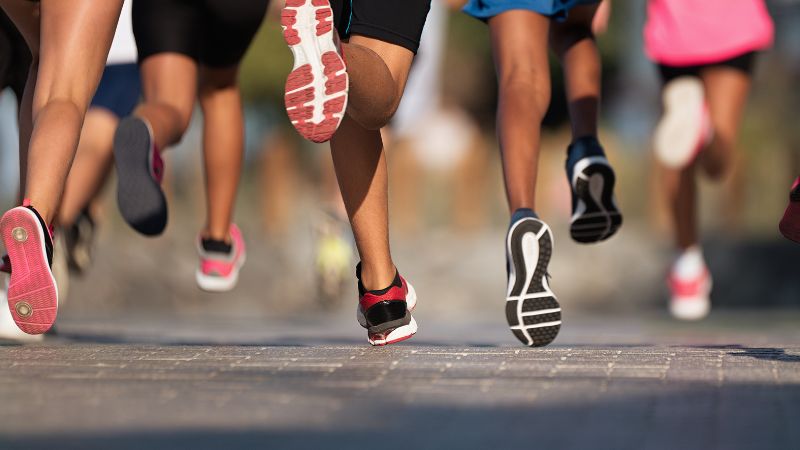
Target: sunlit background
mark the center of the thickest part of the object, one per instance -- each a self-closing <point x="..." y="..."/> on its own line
<point x="448" y="211"/>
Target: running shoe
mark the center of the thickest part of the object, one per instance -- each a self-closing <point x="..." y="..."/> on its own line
<point x="220" y="262"/>
<point x="690" y="287"/>
<point x="32" y="291"/>
<point x="140" y="171"/>
<point x="790" y="224"/>
<point x="595" y="215"/>
<point x="316" y="90"/>
<point x="685" y="127"/>
<point x="8" y="329"/>
<point x="386" y="313"/>
<point x="532" y="311"/>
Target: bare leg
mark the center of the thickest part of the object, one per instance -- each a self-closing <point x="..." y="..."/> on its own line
<point x="92" y="162"/>
<point x="575" y="46"/>
<point x="681" y="190"/>
<point x="74" y="41"/>
<point x="169" y="84"/>
<point x="223" y="146"/>
<point x="358" y="154"/>
<point x="726" y="94"/>
<point x="520" y="52"/>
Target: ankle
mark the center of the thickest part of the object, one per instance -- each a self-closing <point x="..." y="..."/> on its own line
<point x="377" y="276"/>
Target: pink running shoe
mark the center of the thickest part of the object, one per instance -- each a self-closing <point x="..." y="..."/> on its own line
<point x="790" y="224"/>
<point x="690" y="298"/>
<point x="220" y="262"/>
<point x="316" y="90"/>
<point x="32" y="291"/>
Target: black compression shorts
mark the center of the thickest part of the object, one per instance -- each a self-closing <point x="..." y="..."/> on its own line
<point x="743" y="63"/>
<point x="214" y="33"/>
<point x="398" y="22"/>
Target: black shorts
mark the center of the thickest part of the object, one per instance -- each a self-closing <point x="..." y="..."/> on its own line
<point x="397" y="22"/>
<point x="742" y="63"/>
<point x="15" y="58"/>
<point x="214" y="33"/>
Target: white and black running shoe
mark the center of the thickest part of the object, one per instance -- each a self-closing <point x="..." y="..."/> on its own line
<point x="595" y="215"/>
<point x="532" y="311"/>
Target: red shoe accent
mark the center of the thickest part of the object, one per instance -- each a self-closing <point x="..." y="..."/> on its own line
<point x="688" y="288"/>
<point x="316" y="89"/>
<point x="156" y="165"/>
<point x="32" y="292"/>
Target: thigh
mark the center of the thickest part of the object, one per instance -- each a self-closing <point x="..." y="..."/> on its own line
<point x="726" y="90"/>
<point x="74" y="43"/>
<point x="168" y="26"/>
<point x="398" y="59"/>
<point x="230" y="26"/>
<point x="519" y="44"/>
<point x="170" y="79"/>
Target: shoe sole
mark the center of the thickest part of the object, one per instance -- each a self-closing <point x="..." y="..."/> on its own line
<point x="316" y="89"/>
<point x="400" y="333"/>
<point x="532" y="311"/>
<point x="596" y="216"/>
<point x="680" y="132"/>
<point x="32" y="291"/>
<point x="139" y="196"/>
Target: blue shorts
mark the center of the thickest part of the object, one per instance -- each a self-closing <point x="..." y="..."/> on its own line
<point x="119" y="90"/>
<point x="555" y="9"/>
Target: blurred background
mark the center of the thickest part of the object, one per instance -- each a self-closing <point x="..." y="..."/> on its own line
<point x="448" y="211"/>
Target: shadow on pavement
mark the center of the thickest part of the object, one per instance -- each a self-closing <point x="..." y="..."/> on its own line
<point x="683" y="417"/>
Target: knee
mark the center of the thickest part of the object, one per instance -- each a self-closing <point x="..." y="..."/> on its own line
<point x="378" y="114"/>
<point x="527" y="87"/>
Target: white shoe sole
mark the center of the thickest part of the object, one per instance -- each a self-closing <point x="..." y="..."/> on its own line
<point x="683" y="128"/>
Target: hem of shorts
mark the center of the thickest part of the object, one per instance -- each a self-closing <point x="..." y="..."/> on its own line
<point x="372" y="31"/>
<point x="488" y="13"/>
<point x="706" y="60"/>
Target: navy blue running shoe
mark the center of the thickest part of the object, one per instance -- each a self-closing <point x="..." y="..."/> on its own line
<point x="595" y="216"/>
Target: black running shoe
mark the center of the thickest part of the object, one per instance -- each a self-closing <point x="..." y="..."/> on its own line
<point x="532" y="311"/>
<point x="595" y="216"/>
<point x="140" y="170"/>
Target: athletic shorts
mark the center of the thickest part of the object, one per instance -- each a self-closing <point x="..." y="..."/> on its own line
<point x="555" y="9"/>
<point x="15" y="58"/>
<point x="119" y="89"/>
<point x="743" y="63"/>
<point x="397" y="22"/>
<point x="215" y="33"/>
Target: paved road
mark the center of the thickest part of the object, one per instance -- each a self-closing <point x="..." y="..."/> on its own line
<point x="732" y="383"/>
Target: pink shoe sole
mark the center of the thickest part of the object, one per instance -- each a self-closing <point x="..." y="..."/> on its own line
<point x="316" y="89"/>
<point x="32" y="292"/>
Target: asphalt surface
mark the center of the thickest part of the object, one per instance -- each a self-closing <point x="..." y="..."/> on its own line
<point x="613" y="382"/>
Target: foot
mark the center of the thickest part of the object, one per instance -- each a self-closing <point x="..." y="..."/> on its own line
<point x="220" y="262"/>
<point x="79" y="241"/>
<point x="316" y="90"/>
<point x="690" y="286"/>
<point x="595" y="216"/>
<point x="790" y="224"/>
<point x="32" y="291"/>
<point x="140" y="171"/>
<point x="685" y="128"/>
<point x="532" y="311"/>
<point x="386" y="313"/>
